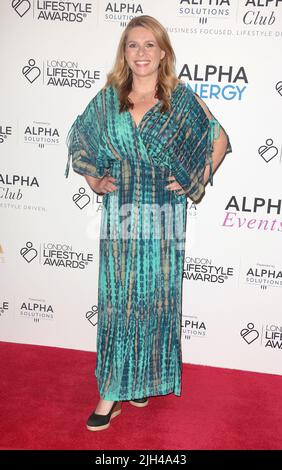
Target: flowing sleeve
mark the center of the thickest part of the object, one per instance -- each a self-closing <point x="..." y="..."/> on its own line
<point x="85" y="151"/>
<point x="195" y="151"/>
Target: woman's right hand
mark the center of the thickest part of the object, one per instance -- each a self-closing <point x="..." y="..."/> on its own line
<point x="102" y="185"/>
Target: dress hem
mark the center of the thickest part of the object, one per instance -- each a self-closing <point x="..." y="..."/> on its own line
<point x="114" y="397"/>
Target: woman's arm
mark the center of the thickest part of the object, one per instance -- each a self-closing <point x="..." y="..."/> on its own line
<point x="219" y="146"/>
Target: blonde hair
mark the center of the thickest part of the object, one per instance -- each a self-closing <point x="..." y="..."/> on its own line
<point x="120" y="76"/>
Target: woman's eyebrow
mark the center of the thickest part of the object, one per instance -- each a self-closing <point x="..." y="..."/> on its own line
<point x="148" y="40"/>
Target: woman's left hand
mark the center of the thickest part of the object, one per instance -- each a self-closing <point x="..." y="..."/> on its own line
<point x="174" y="185"/>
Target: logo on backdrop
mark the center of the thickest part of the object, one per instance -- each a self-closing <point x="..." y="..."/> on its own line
<point x="260" y="12"/>
<point x="28" y="252"/>
<point x="249" y="334"/>
<point x="278" y="88"/>
<point x="31" y="71"/>
<point x="191" y="209"/>
<point x="4" y="308"/>
<point x="216" y="81"/>
<point x="271" y="335"/>
<point x="263" y="276"/>
<point x="14" y="190"/>
<point x="97" y="200"/>
<point x="60" y="73"/>
<point x="192" y="327"/>
<point x="204" y="10"/>
<point x="36" y="309"/>
<point x="205" y="270"/>
<point x="81" y="199"/>
<point x="225" y="18"/>
<point x="41" y="134"/>
<point x="56" y="255"/>
<point x="5" y="132"/>
<point x="92" y="315"/>
<point x="258" y="214"/>
<point x="122" y="12"/>
<point x="268" y="151"/>
<point x="63" y="11"/>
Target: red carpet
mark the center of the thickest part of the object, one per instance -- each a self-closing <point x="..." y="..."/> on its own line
<point x="48" y="393"/>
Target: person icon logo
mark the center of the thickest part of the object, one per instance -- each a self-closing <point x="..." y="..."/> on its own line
<point x="21" y="7"/>
<point x="81" y="199"/>
<point x="92" y="313"/>
<point x="278" y="87"/>
<point x="249" y="334"/>
<point x="28" y="252"/>
<point x="268" y="151"/>
<point x="31" y="72"/>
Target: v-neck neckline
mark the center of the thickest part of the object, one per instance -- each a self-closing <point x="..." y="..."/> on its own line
<point x="137" y="127"/>
<point x="127" y="112"/>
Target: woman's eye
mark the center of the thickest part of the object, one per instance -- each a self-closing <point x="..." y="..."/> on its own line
<point x="133" y="45"/>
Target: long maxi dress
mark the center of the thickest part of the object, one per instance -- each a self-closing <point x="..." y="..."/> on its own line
<point x="142" y="233"/>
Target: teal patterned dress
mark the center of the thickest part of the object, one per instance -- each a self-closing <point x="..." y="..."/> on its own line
<point x="142" y="234"/>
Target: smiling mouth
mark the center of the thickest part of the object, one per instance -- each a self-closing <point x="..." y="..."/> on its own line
<point x="142" y="62"/>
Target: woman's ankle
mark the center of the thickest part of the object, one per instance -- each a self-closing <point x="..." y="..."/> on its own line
<point x="104" y="406"/>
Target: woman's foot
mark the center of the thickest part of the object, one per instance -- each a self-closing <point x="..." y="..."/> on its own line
<point x="139" y="402"/>
<point x="99" y="421"/>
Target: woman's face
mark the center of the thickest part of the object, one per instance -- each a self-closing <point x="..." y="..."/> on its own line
<point x="142" y="52"/>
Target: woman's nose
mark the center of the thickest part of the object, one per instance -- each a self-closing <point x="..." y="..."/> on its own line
<point x="140" y="50"/>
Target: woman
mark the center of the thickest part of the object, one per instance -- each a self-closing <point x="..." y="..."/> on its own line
<point x="144" y="142"/>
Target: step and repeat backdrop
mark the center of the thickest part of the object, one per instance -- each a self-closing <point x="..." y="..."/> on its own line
<point x="55" y="56"/>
